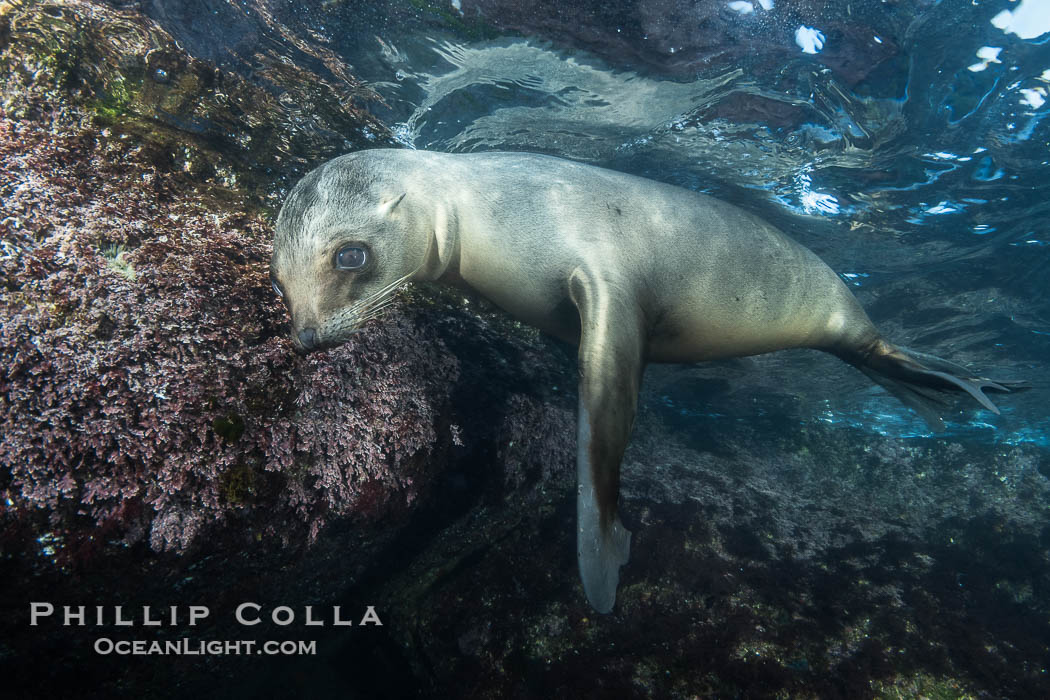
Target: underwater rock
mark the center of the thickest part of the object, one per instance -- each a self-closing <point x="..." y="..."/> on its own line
<point x="677" y="38"/>
<point x="802" y="561"/>
<point x="681" y="37"/>
<point x="148" y="389"/>
<point x="244" y="133"/>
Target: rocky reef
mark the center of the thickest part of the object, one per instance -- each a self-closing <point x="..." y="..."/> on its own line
<point x="161" y="444"/>
<point x="148" y="393"/>
<point x="680" y="37"/>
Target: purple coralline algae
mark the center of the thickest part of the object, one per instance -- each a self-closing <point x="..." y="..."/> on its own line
<point x="147" y="390"/>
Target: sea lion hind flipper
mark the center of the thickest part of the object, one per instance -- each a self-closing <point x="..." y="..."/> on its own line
<point x="923" y="381"/>
<point x="610" y="359"/>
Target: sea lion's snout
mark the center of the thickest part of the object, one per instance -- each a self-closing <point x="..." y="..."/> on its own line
<point x="307" y="338"/>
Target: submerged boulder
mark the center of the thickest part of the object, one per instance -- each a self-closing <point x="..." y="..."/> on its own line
<point x="148" y="393"/>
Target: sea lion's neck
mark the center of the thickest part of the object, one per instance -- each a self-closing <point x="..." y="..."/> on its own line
<point x="434" y="213"/>
<point x="441" y="262"/>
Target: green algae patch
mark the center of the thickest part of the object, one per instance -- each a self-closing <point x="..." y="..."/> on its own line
<point x="229" y="427"/>
<point x="237" y="485"/>
<point x="114" y="256"/>
<point x="475" y="29"/>
<point x="922" y="686"/>
<point x="114" y="99"/>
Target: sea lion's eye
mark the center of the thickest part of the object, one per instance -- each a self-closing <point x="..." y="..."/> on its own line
<point x="277" y="287"/>
<point x="351" y="257"/>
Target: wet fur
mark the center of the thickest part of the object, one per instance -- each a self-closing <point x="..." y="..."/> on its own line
<point x="631" y="270"/>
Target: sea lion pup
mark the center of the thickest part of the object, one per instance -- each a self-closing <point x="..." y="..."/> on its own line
<point x="631" y="270"/>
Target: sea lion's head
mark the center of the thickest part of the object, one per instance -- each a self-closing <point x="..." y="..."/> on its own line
<point x="346" y="241"/>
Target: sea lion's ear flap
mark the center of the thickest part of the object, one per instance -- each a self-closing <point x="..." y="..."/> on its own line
<point x="388" y="205"/>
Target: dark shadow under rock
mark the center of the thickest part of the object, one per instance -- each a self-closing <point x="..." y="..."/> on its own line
<point x="749" y="586"/>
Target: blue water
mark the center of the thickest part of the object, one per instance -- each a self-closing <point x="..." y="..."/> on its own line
<point x="908" y="146"/>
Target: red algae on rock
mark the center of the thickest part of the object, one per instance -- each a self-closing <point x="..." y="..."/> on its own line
<point x="147" y="390"/>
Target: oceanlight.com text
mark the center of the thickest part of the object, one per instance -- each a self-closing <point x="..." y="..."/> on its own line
<point x="188" y="647"/>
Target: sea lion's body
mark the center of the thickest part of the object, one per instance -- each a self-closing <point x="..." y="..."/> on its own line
<point x="711" y="280"/>
<point x="632" y="270"/>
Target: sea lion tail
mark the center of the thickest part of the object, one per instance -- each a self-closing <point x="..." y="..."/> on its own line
<point x="925" y="383"/>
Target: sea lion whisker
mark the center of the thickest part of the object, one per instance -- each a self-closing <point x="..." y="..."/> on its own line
<point x="376" y="303"/>
<point x="378" y="294"/>
<point x="365" y="318"/>
<point x="375" y="300"/>
<point x="364" y="305"/>
<point x="373" y="312"/>
<point x="373" y="308"/>
<point x="382" y="303"/>
<point x="382" y="293"/>
<point x="362" y="321"/>
<point x="383" y="306"/>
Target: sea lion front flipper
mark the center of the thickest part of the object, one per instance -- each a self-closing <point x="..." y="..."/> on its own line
<point x="610" y="357"/>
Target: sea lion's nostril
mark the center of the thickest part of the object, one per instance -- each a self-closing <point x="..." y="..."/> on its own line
<point x="308" y="338"/>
